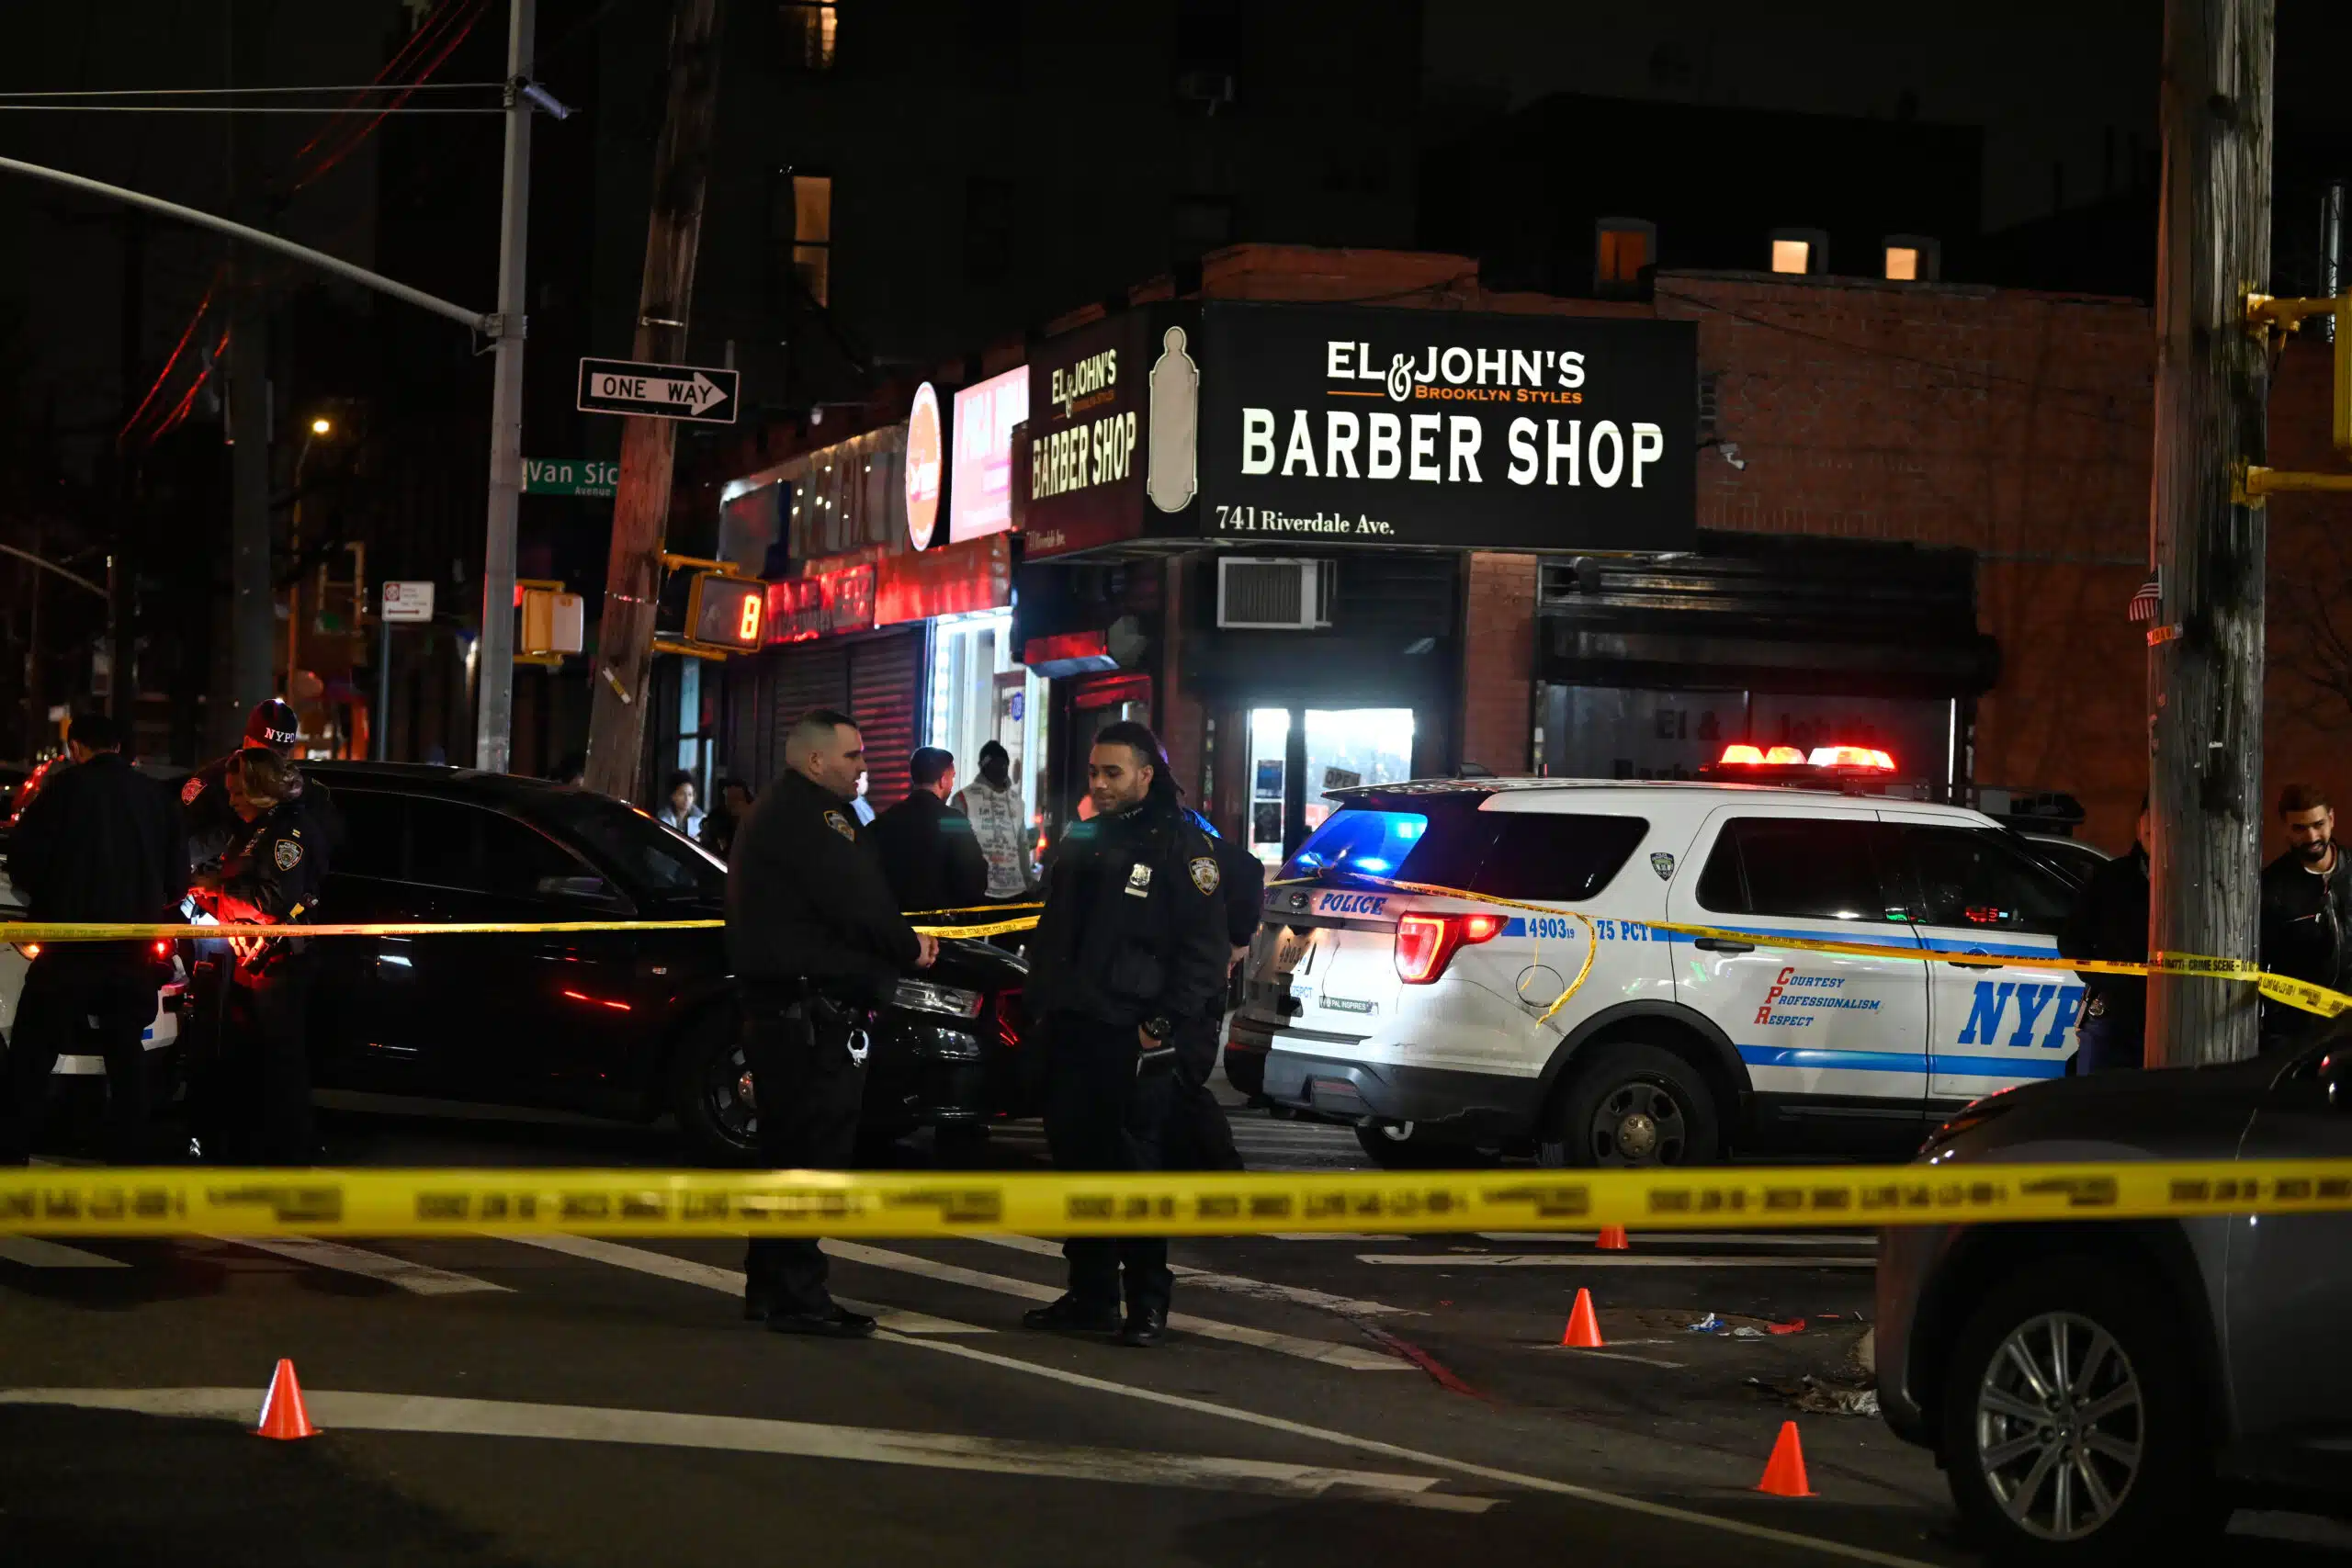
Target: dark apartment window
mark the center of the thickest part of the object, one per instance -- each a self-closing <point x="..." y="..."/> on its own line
<point x="988" y="229"/>
<point x="1911" y="258"/>
<point x="812" y="234"/>
<point x="1621" y="249"/>
<point x="1209" y="52"/>
<point x="1201" y="223"/>
<point x="808" y="34"/>
<point x="1803" y="251"/>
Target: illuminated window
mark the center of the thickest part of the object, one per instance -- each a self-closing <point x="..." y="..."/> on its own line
<point x="813" y="232"/>
<point x="808" y="27"/>
<point x="1913" y="258"/>
<point x="1802" y="252"/>
<point x="1621" y="248"/>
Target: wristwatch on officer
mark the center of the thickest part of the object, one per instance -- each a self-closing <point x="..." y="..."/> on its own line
<point x="1159" y="1027"/>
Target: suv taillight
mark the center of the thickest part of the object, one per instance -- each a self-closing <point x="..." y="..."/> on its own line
<point x="1425" y="943"/>
<point x="1008" y="1017"/>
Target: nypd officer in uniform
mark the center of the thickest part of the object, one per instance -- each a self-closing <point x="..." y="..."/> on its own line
<point x="253" y="1096"/>
<point x="817" y="943"/>
<point x="211" y="820"/>
<point x="1127" y="973"/>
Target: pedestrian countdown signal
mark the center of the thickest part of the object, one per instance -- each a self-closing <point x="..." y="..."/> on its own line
<point x="726" y="612"/>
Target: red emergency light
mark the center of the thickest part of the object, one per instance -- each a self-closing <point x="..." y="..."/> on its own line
<point x="1870" y="759"/>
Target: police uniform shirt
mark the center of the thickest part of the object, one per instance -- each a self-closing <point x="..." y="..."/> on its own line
<point x="807" y="900"/>
<point x="277" y="863"/>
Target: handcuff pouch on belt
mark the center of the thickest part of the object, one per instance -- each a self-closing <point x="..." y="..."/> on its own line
<point x="833" y="1024"/>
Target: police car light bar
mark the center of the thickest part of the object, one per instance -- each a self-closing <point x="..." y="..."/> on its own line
<point x="1863" y="758"/>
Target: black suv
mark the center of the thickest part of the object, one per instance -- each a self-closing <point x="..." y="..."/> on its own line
<point x="615" y="1023"/>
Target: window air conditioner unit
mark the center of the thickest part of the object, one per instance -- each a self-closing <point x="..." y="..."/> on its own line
<point x="1255" y="593"/>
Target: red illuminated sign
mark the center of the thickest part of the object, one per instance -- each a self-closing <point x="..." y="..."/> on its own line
<point x="801" y="609"/>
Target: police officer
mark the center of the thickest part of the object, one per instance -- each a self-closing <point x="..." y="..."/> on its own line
<point x="102" y="842"/>
<point x="817" y="944"/>
<point x="211" y="820"/>
<point x="1127" y="973"/>
<point x="253" y="1100"/>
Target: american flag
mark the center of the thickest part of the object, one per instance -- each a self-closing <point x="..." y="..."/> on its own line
<point x="2143" y="603"/>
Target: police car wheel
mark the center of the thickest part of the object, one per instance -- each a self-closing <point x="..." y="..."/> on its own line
<point x="1633" y="1105"/>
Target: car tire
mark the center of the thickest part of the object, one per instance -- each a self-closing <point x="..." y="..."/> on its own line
<point x="1403" y="1146"/>
<point x="1628" y="1104"/>
<point x="707" y="1091"/>
<point x="2154" y="1466"/>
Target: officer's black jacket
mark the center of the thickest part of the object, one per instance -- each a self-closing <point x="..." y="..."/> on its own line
<point x="101" y="841"/>
<point x="929" y="855"/>
<point x="806" y="899"/>
<point x="2110" y="923"/>
<point x="278" y="863"/>
<point x="1245" y="883"/>
<point x="1134" y="925"/>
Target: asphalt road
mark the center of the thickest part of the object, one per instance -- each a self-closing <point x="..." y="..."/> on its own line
<point x="1357" y="1400"/>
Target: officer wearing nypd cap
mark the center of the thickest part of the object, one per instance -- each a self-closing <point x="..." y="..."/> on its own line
<point x="1127" y="973"/>
<point x="817" y="943"/>
<point x="212" y="822"/>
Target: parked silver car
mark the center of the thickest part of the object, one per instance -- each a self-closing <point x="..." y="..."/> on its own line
<point x="2108" y="1391"/>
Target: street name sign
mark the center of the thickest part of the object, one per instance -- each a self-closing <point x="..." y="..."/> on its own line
<point x="570" y="476"/>
<point x="659" y="391"/>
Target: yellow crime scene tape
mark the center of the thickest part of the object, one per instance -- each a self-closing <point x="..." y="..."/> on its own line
<point x="183" y="1200"/>
<point x="2295" y="993"/>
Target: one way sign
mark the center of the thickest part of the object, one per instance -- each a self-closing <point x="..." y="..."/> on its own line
<point x="663" y="391"/>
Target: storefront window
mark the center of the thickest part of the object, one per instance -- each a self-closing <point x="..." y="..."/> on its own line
<point x="978" y="695"/>
<point x="1336" y="749"/>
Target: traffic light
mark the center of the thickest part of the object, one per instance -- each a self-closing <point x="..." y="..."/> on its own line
<point x="726" y="611"/>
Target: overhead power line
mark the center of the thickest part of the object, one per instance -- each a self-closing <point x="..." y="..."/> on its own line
<point x="259" y="92"/>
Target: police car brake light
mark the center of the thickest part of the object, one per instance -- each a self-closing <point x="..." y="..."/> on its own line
<point x="1426" y="942"/>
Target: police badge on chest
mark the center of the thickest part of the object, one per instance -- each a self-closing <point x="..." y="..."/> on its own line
<point x="1139" y="881"/>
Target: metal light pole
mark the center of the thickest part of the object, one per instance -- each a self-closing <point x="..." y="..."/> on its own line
<point x="494" y="703"/>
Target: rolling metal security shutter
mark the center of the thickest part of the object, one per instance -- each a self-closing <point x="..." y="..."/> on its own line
<point x="808" y="675"/>
<point x="885" y="697"/>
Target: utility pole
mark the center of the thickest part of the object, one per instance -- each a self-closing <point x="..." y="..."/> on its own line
<point x="122" y="561"/>
<point x="641" y="501"/>
<point x="495" y="690"/>
<point x="253" y="597"/>
<point x="2205" y="654"/>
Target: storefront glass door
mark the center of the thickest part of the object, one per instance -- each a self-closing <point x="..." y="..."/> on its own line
<point x="1297" y="755"/>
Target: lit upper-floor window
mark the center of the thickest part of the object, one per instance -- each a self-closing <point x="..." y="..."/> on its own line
<point x="809" y="28"/>
<point x="812" y="234"/>
<point x="1911" y="258"/>
<point x="1621" y="248"/>
<point x="1801" y="251"/>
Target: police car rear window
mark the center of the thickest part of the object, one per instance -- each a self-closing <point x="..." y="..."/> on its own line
<point x="1551" y="856"/>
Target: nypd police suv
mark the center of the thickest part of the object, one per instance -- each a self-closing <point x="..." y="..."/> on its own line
<point x="1420" y="1017"/>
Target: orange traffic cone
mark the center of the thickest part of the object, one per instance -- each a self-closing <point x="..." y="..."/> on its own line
<point x="1613" y="1239"/>
<point x="1584" y="1328"/>
<point x="282" y="1415"/>
<point x="1784" y="1472"/>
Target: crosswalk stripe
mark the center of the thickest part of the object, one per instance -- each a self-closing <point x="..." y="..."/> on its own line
<point x="645" y="1260"/>
<point x="35" y="1253"/>
<point x="1232" y="1284"/>
<point x="1602" y="1260"/>
<point x="1353" y="1357"/>
<point x="415" y="1278"/>
<point x="354" y="1411"/>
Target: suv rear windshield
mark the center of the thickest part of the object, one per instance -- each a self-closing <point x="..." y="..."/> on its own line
<point x="1546" y="855"/>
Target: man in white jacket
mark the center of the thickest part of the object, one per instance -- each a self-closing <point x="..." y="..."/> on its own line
<point x="992" y="801"/>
